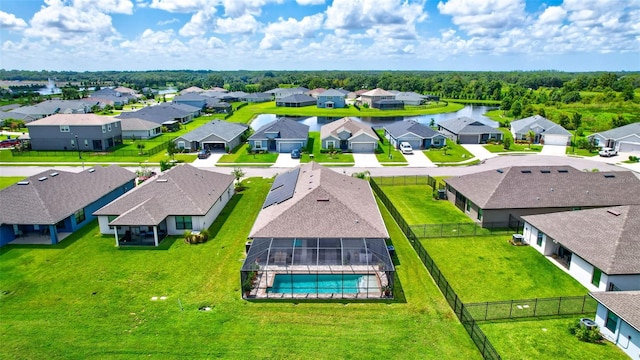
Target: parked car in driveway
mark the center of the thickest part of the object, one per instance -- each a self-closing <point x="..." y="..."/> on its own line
<point x="406" y="148"/>
<point x="9" y="143"/>
<point x="203" y="154"/>
<point x="607" y="152"/>
<point x="295" y="154"/>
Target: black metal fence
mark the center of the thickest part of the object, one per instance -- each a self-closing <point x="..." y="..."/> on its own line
<point x="477" y="336"/>
<point x="410" y="180"/>
<point x="156" y="147"/>
<point x="531" y="308"/>
<point x="425" y="231"/>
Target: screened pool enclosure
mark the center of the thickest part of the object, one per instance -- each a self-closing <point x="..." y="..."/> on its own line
<point x="313" y="268"/>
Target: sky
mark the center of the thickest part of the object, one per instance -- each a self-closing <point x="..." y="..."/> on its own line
<point x="460" y="35"/>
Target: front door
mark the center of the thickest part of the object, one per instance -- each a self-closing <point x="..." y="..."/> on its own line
<point x="272" y="145"/>
<point x="344" y="144"/>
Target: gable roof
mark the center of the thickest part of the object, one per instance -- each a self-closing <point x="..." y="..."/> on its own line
<point x="409" y="95"/>
<point x="401" y="128"/>
<point x="376" y="92"/>
<point x="354" y="127"/>
<point x="192" y="89"/>
<point x="298" y="98"/>
<point x="625" y="304"/>
<point x="607" y="238"/>
<point x="58" y="196"/>
<point x="324" y="204"/>
<point x="135" y="124"/>
<point x="521" y="187"/>
<point x="190" y="96"/>
<point x="466" y="125"/>
<point x="222" y="129"/>
<point x="258" y="96"/>
<point x="161" y="112"/>
<point x="182" y="190"/>
<point x="332" y="92"/>
<point x="74" y="120"/>
<point x="287" y="128"/>
<point x="620" y="132"/>
<point x="523" y="126"/>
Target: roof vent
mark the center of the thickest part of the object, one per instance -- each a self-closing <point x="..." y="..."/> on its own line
<point x="23" y="182"/>
<point x="323" y="199"/>
<point x="613" y="212"/>
<point x="525" y="171"/>
<point x="545" y="171"/>
<point x="609" y="176"/>
<point x="53" y="174"/>
<point x="162" y="180"/>
<point x="92" y="170"/>
<point x="563" y="171"/>
<point x="42" y="178"/>
<point x="500" y="171"/>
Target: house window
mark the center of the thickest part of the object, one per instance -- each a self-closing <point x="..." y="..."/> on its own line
<point x="183" y="222"/>
<point x="540" y="236"/>
<point x="436" y="141"/>
<point x="86" y="142"/>
<point x="468" y="205"/>
<point x="595" y="278"/>
<point x="104" y="129"/>
<point x="110" y="218"/>
<point x="79" y="215"/>
<point x="73" y="142"/>
<point x="258" y="144"/>
<point x="115" y="124"/>
<point x="64" y="128"/>
<point x="180" y="144"/>
<point x="109" y="127"/>
<point x="479" y="214"/>
<point x="612" y="321"/>
<point x="331" y="144"/>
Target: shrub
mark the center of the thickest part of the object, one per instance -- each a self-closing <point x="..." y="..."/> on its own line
<point x="583" y="334"/>
<point x="634" y="158"/>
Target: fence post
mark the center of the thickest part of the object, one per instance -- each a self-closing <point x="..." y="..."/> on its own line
<point x="511" y="309"/>
<point x="559" y="302"/>
<point x="584" y="300"/>
<point x="441" y="229"/>
<point x="535" y="307"/>
<point x="425" y="230"/>
<point x="484" y="345"/>
<point x="486" y="310"/>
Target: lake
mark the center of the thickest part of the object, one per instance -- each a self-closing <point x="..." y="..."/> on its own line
<point x="315" y="122"/>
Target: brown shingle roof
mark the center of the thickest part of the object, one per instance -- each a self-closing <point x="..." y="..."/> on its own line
<point x="354" y="127"/>
<point x="182" y="190"/>
<point x="324" y="204"/>
<point x="523" y="187"/>
<point x="73" y="119"/>
<point x="607" y="238"/>
<point x="625" y="304"/>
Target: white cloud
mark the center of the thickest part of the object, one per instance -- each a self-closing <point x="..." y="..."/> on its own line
<point x="10" y="21"/>
<point x="484" y="17"/>
<point x="310" y="2"/>
<point x="292" y="28"/>
<point x="236" y="8"/>
<point x="167" y="22"/>
<point x="244" y="24"/>
<point x="199" y="24"/>
<point x="107" y="6"/>
<point x="364" y="14"/>
<point x="553" y="14"/>
<point x="182" y="6"/>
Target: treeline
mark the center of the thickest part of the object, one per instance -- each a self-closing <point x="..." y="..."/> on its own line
<point x="497" y="86"/>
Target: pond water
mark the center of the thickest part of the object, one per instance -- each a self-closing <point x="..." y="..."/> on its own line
<point x="315" y="122"/>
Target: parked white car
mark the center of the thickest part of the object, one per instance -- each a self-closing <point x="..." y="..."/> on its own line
<point x="608" y="152"/>
<point x="406" y="148"/>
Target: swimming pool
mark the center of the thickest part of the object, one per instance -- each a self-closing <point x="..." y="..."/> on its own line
<point x="321" y="283"/>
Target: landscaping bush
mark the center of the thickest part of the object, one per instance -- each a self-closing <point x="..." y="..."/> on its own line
<point x="583" y="334"/>
<point x="191" y="238"/>
<point x="634" y="158"/>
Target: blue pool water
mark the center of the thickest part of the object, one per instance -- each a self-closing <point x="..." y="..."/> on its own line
<point x="321" y="283"/>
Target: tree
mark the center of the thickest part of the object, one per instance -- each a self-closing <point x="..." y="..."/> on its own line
<point x="576" y="119"/>
<point x="361" y="175"/>
<point x="172" y="149"/>
<point x="531" y="136"/>
<point x="516" y="108"/>
<point x="507" y="142"/>
<point x="140" y="147"/>
<point x="238" y="174"/>
<point x="563" y="120"/>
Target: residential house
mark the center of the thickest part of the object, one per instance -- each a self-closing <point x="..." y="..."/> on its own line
<point x="411" y="98"/>
<point x="192" y="89"/>
<point x="183" y="198"/>
<point x="624" y="138"/>
<point x="496" y="197"/>
<point x="281" y="93"/>
<point x="170" y="115"/>
<point x="315" y="220"/>
<point x="331" y="99"/>
<point x="85" y="132"/>
<point x="388" y="104"/>
<point x="418" y="135"/>
<point x="134" y="128"/>
<point x="315" y="92"/>
<point x="296" y="101"/>
<point x="113" y="97"/>
<point x="256" y="98"/>
<point x="281" y="135"/>
<point x="618" y="319"/>
<point x="600" y="247"/>
<point x="191" y="98"/>
<point x="50" y="107"/>
<point x="546" y="131"/>
<point x="215" y="135"/>
<point x="47" y="207"/>
<point x="464" y="130"/>
<point x="349" y="135"/>
<point x="375" y="95"/>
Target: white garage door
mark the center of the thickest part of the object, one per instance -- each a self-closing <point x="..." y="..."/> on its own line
<point x="286" y="147"/>
<point x="363" y="147"/>
<point x="629" y="147"/>
<point x="468" y="139"/>
<point x="555" y="140"/>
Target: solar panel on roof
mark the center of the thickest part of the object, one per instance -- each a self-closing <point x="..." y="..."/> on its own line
<point x="282" y="189"/>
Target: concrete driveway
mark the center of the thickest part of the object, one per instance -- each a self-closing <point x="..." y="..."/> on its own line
<point x="554" y="150"/>
<point x="208" y="162"/>
<point x="285" y="161"/>
<point x="479" y="151"/>
<point x="418" y="159"/>
<point x="366" y="160"/>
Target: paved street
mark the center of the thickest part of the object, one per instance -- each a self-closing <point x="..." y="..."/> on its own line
<point x="419" y="159"/>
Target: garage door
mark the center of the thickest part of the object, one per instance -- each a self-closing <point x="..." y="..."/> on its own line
<point x="219" y="146"/>
<point x="363" y="147"/>
<point x="555" y="140"/>
<point x="286" y="147"/>
<point x="468" y="139"/>
<point x="629" y="147"/>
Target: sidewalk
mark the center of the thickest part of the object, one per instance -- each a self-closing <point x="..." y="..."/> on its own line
<point x="479" y="151"/>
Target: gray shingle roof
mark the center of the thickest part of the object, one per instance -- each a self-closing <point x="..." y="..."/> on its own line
<point x="134" y="124"/>
<point x="332" y="92"/>
<point x="287" y="128"/>
<point x="74" y="119"/>
<point x="57" y="197"/>
<point x="511" y="188"/>
<point x="409" y="95"/>
<point x="298" y="98"/>
<point x="222" y="129"/>
<point x="354" y="127"/>
<point x="257" y="96"/>
<point x="523" y="126"/>
<point x="161" y="113"/>
<point x="401" y="128"/>
<point x="465" y="125"/>
<point x="620" y="132"/>
<point x="625" y="304"/>
<point x="186" y="191"/>
<point x="607" y="238"/>
<point x="325" y="204"/>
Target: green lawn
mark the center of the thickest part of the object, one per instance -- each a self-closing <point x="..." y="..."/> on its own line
<point x="545" y="339"/>
<point x="417" y="206"/>
<point x="454" y="153"/>
<point x="91" y="157"/>
<point x="383" y="145"/>
<point x="6" y="181"/>
<point x="499" y="148"/>
<point x="500" y="271"/>
<point x="240" y="155"/>
<point x="84" y="298"/>
<point x="314" y="144"/>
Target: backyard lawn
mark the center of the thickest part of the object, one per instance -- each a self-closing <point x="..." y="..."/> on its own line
<point x="417" y="206"/>
<point x="6" y="181"/>
<point x="240" y="155"/>
<point x="314" y="144"/>
<point x="383" y="157"/>
<point x="545" y="339"/>
<point x="84" y="298"/>
<point x="454" y="153"/>
<point x="500" y="271"/>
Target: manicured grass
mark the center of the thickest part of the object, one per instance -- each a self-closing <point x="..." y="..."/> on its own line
<point x="499" y="148"/>
<point x="383" y="145"/>
<point x="240" y="155"/>
<point x="91" y="157"/>
<point x="500" y="271"/>
<point x="417" y="206"/>
<point x="6" y="181"/>
<point x="84" y="298"/>
<point x="543" y="339"/>
<point x="580" y="152"/>
<point x="454" y="153"/>
<point x="314" y="144"/>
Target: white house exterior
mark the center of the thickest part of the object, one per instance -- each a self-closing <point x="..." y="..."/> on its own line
<point x="600" y="247"/>
<point x="623" y="139"/>
<point x="618" y="319"/>
<point x="546" y="131"/>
